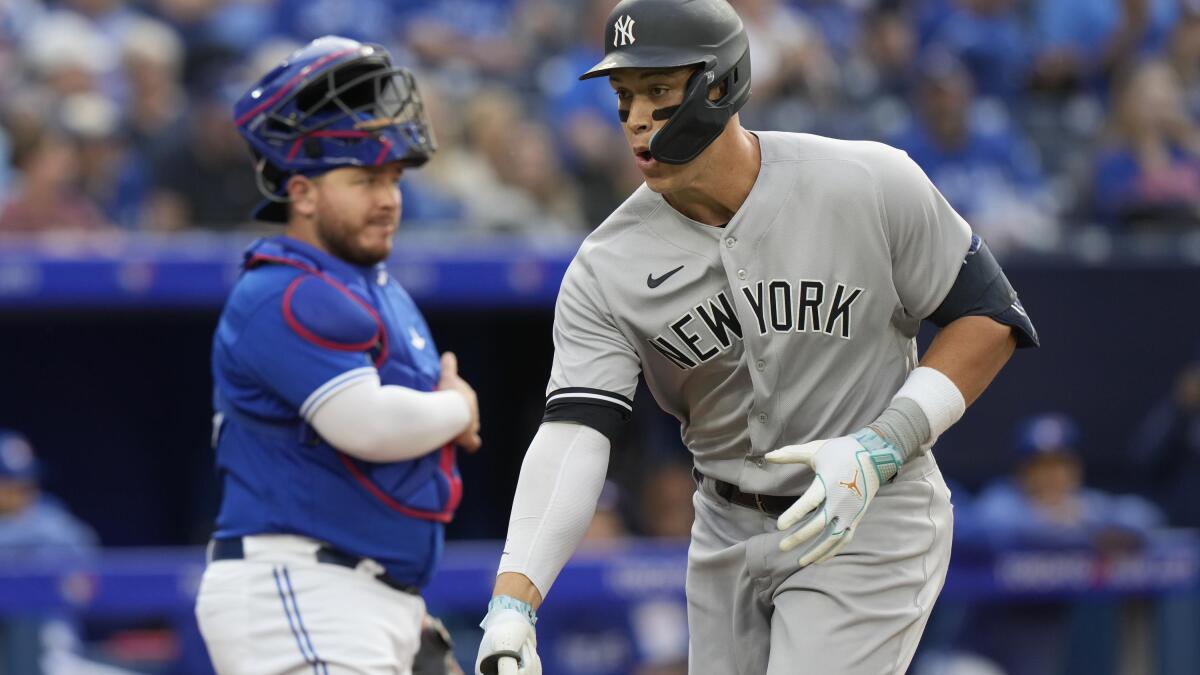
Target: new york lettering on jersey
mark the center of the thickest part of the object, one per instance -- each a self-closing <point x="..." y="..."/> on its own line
<point x="778" y="306"/>
<point x="749" y="334"/>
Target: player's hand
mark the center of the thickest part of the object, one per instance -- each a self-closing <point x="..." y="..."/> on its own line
<point x="849" y="471"/>
<point x="469" y="439"/>
<point x="508" y="636"/>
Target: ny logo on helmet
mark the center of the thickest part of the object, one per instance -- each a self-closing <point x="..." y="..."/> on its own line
<point x="623" y="33"/>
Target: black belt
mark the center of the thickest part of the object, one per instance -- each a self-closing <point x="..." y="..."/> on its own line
<point x="772" y="505"/>
<point x="233" y="549"/>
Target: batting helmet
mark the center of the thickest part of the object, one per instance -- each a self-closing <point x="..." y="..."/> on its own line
<point x="334" y="102"/>
<point x="675" y="34"/>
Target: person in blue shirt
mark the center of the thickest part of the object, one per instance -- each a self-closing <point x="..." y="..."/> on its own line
<point x="1082" y="42"/>
<point x="984" y="166"/>
<point x="34" y="526"/>
<point x="1147" y="176"/>
<point x="989" y="37"/>
<point x="1045" y="505"/>
<point x="336" y="420"/>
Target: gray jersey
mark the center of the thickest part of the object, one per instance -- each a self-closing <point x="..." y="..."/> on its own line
<point x="795" y="321"/>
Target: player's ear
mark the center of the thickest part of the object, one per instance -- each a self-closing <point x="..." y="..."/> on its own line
<point x="302" y="195"/>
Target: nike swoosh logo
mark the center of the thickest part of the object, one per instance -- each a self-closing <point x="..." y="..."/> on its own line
<point x="655" y="283"/>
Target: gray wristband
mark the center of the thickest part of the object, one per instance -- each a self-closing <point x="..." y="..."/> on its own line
<point x="905" y="426"/>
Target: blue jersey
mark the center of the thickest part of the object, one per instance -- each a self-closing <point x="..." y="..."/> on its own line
<point x="299" y="325"/>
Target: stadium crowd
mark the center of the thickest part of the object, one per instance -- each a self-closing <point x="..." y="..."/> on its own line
<point x="1034" y="117"/>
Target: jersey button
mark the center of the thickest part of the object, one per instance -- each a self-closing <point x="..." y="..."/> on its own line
<point x="760" y="365"/>
<point x="730" y="241"/>
<point x="741" y="274"/>
<point x="762" y="417"/>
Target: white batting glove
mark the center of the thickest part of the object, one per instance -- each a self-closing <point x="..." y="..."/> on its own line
<point x="849" y="471"/>
<point x="509" y="645"/>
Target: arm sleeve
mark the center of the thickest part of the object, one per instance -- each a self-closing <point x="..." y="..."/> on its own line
<point x="561" y="478"/>
<point x="380" y="423"/>
<point x="928" y="239"/>
<point x="595" y="368"/>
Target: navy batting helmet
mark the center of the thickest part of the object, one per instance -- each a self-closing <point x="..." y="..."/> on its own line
<point x="334" y="102"/>
<point x="675" y="34"/>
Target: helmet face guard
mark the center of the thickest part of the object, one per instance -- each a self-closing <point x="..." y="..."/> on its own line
<point x="334" y="103"/>
<point x="696" y="122"/>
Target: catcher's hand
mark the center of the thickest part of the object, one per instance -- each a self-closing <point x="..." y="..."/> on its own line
<point x="849" y="471"/>
<point x="509" y="644"/>
<point x="436" y="655"/>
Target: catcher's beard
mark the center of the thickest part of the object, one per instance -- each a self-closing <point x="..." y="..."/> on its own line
<point x="339" y="238"/>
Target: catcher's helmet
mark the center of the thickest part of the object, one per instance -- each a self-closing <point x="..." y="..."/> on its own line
<point x="674" y="34"/>
<point x="334" y="102"/>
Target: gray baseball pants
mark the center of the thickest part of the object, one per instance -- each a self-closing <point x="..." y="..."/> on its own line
<point x="752" y="612"/>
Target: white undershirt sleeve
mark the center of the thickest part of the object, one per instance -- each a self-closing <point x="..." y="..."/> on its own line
<point x="561" y="478"/>
<point x="387" y="423"/>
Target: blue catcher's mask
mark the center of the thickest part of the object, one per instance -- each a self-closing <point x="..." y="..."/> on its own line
<point x="335" y="102"/>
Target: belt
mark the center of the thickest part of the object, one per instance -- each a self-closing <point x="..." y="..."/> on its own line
<point x="772" y="505"/>
<point x="233" y="549"/>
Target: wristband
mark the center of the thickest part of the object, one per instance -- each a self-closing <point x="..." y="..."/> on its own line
<point x="509" y="602"/>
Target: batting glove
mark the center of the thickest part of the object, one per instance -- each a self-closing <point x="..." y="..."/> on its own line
<point x="849" y="471"/>
<point x="509" y="645"/>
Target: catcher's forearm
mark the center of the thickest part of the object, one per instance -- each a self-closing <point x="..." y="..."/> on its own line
<point x="561" y="478"/>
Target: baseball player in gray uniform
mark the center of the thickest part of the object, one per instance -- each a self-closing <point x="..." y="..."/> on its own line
<point x="769" y="287"/>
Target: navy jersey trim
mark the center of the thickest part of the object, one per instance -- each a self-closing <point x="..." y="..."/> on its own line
<point x="601" y="410"/>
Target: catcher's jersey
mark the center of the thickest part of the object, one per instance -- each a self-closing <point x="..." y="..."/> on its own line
<point x="795" y="321"/>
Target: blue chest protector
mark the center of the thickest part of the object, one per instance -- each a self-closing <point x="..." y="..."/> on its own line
<point x="299" y="325"/>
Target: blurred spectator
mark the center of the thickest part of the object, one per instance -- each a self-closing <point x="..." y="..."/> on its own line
<point x="47" y="195"/>
<point x="877" y="80"/>
<point x="68" y="54"/>
<point x="204" y="178"/>
<point x="1167" y="444"/>
<point x="988" y="36"/>
<point x="152" y="54"/>
<point x="428" y="200"/>
<point x="1046" y="505"/>
<point x="786" y="51"/>
<point x="468" y="36"/>
<point x="1185" y="54"/>
<point x="1084" y="41"/>
<point x="1149" y="175"/>
<point x="363" y="20"/>
<point x="584" y="119"/>
<point x="110" y="174"/>
<point x="507" y="175"/>
<point x="982" y="164"/>
<point x="35" y="527"/>
<point x="32" y="523"/>
<point x="838" y="21"/>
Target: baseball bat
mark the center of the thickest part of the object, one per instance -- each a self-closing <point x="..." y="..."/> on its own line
<point x="507" y="665"/>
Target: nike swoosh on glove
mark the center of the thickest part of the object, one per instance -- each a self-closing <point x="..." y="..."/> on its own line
<point x="849" y="471"/>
